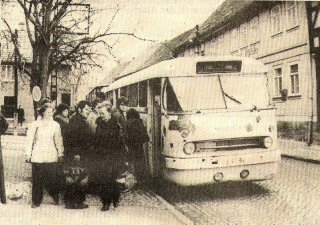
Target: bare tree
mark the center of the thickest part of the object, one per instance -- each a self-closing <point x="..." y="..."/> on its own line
<point x="50" y="28"/>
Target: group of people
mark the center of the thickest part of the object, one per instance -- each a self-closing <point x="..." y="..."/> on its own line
<point x="88" y="151"/>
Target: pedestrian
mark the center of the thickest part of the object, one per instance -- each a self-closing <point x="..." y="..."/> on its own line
<point x="3" y="124"/>
<point x="137" y="135"/>
<point x="21" y="118"/>
<point x="44" y="149"/>
<point x="107" y="157"/>
<point x="79" y="140"/>
<point x="94" y="114"/>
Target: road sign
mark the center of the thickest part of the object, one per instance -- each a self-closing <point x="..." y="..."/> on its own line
<point x="36" y="93"/>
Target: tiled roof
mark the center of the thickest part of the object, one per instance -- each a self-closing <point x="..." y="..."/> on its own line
<point x="228" y="15"/>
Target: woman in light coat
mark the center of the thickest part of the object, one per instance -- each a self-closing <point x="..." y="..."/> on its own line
<point x="44" y="150"/>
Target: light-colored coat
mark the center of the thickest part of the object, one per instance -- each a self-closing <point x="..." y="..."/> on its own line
<point x="45" y="145"/>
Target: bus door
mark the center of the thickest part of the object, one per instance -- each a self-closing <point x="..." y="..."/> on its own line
<point x="155" y="128"/>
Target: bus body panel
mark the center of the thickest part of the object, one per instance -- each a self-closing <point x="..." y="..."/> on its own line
<point x="257" y="172"/>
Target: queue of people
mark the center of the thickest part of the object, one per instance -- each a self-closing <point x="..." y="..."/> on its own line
<point x="87" y="152"/>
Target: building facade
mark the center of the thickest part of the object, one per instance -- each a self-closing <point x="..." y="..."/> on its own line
<point x="66" y="85"/>
<point x="276" y="33"/>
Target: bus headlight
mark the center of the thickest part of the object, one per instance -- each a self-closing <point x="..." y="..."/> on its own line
<point x="267" y="142"/>
<point x="189" y="148"/>
<point x="185" y="133"/>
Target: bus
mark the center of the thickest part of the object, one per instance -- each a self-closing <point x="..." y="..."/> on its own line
<point x="209" y="119"/>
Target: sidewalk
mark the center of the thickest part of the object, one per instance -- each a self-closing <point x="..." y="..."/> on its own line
<point x="299" y="150"/>
<point x="137" y="206"/>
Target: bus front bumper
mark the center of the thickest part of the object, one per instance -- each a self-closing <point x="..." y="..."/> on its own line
<point x="197" y="171"/>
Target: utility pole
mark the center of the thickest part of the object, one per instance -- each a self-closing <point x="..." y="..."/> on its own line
<point x="15" y="115"/>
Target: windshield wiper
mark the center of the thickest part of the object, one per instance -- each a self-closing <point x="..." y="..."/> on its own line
<point x="232" y="98"/>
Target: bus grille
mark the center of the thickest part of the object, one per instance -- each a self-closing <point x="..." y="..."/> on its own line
<point x="229" y="144"/>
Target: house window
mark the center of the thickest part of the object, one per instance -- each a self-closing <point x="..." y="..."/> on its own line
<point x="278" y="81"/>
<point x="292" y="14"/>
<point x="7" y="73"/>
<point x="243" y="35"/>
<point x="234" y="39"/>
<point x="294" y="77"/>
<point x="276" y="24"/>
<point x="219" y="44"/>
<point x="254" y="30"/>
<point x="202" y="49"/>
<point x="214" y="46"/>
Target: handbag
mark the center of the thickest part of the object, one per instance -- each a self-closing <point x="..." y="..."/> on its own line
<point x="33" y="142"/>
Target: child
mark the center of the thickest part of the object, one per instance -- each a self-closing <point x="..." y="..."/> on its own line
<point x="76" y="179"/>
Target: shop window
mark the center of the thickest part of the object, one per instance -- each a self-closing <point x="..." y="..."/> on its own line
<point x="143" y="94"/>
<point x="292" y="14"/>
<point x="276" y="25"/>
<point x="254" y="30"/>
<point x="278" y="81"/>
<point x="133" y="95"/>
<point x="294" y="77"/>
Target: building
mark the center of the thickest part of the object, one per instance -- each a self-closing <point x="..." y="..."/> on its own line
<point x="284" y="35"/>
<point x="66" y="85"/>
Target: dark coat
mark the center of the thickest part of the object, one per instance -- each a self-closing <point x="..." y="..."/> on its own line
<point x="109" y="140"/>
<point x="21" y="115"/>
<point x="3" y="124"/>
<point x="79" y="137"/>
<point x="137" y="135"/>
<point x="110" y="160"/>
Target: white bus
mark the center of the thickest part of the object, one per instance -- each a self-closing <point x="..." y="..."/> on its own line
<point x="210" y="119"/>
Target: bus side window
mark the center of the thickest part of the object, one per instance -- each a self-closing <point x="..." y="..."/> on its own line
<point x="124" y="92"/>
<point x="143" y="94"/>
<point x="173" y="104"/>
<point x="133" y="95"/>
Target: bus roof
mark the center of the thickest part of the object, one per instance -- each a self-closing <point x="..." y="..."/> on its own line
<point x="184" y="66"/>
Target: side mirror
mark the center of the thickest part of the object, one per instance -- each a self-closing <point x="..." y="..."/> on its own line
<point x="284" y="95"/>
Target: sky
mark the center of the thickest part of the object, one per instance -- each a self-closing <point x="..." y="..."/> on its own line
<point x="156" y="20"/>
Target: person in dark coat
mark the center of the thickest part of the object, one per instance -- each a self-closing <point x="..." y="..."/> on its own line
<point x="21" y="118"/>
<point x="137" y="135"/>
<point x="109" y="157"/>
<point x="79" y="137"/>
<point x="3" y="124"/>
<point x="79" y="141"/>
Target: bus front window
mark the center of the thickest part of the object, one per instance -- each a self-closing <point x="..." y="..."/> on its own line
<point x="194" y="93"/>
<point x="245" y="91"/>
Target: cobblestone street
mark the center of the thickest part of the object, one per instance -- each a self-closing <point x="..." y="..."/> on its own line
<point x="290" y="198"/>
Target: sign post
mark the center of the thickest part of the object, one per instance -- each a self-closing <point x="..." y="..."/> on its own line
<point x="36" y="93"/>
<point x="2" y="185"/>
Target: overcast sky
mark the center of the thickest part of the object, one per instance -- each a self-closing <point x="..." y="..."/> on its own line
<point x="157" y="20"/>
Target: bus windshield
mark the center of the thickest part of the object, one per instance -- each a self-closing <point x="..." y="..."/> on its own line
<point x="194" y="93"/>
<point x="216" y="92"/>
<point x="245" y="90"/>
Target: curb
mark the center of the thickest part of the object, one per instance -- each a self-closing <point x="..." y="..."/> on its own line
<point x="301" y="159"/>
<point x="172" y="209"/>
